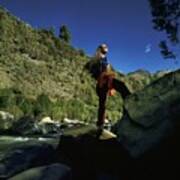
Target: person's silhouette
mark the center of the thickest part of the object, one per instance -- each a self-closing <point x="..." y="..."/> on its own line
<point x="100" y="69"/>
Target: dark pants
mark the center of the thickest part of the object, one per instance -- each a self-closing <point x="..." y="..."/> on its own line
<point x="102" y="92"/>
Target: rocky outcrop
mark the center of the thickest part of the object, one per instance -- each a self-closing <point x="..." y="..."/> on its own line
<point x="151" y="116"/>
<point x="29" y="126"/>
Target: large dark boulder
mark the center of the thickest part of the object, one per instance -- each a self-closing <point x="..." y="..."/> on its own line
<point x="50" y="172"/>
<point x="27" y="126"/>
<point x="152" y="116"/>
<point x="20" y="159"/>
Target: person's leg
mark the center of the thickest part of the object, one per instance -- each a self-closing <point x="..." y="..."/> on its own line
<point x="102" y="93"/>
<point x="121" y="88"/>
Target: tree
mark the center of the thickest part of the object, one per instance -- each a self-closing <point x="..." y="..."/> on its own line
<point x="43" y="105"/>
<point x="165" y="18"/>
<point x="52" y="30"/>
<point x="65" y="34"/>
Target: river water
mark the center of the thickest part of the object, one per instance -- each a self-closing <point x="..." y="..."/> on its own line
<point x="8" y="143"/>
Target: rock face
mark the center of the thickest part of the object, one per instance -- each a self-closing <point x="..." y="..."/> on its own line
<point x="151" y="115"/>
<point x="51" y="172"/>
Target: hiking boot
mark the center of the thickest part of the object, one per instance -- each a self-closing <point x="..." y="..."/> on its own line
<point x="99" y="130"/>
<point x="105" y="135"/>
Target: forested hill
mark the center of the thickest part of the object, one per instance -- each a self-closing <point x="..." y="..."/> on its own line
<point x="42" y="75"/>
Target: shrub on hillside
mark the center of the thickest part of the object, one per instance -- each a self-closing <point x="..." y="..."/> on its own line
<point x="42" y="106"/>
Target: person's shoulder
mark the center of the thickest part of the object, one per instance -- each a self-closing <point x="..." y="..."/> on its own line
<point x="92" y="61"/>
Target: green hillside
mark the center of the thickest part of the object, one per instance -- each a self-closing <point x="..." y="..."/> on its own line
<point x="42" y="75"/>
<point x="34" y="64"/>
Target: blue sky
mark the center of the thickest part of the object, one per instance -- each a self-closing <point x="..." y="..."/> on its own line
<point x="125" y="25"/>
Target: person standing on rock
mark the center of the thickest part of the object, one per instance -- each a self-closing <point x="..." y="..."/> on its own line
<point x="101" y="70"/>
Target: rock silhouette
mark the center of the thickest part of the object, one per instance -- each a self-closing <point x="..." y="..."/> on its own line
<point x="151" y="115"/>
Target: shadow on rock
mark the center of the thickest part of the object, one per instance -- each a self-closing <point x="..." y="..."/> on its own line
<point x="94" y="159"/>
<point x="91" y="158"/>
